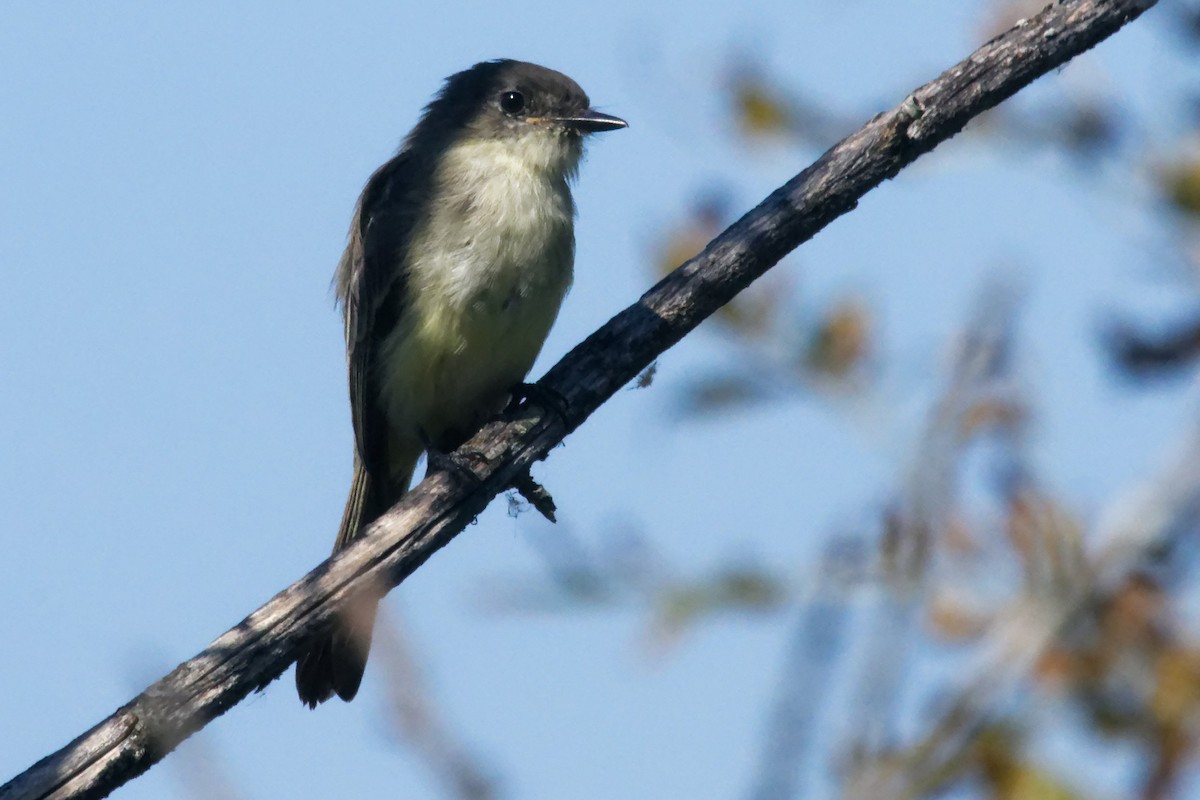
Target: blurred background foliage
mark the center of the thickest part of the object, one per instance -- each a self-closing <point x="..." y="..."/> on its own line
<point x="1053" y="632"/>
<point x="1066" y="630"/>
<point x="970" y="631"/>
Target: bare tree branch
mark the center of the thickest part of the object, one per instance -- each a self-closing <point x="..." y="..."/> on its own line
<point x="262" y="646"/>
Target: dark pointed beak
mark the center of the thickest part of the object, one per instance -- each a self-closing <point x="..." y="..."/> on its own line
<point x="593" y="122"/>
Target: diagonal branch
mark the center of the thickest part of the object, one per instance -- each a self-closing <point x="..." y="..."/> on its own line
<point x="262" y="646"/>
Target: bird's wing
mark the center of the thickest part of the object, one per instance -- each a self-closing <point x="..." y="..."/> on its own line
<point x="371" y="284"/>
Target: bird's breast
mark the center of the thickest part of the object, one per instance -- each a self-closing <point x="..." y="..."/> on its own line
<point x="486" y="275"/>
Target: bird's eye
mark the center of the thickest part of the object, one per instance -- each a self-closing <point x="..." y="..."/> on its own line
<point x="512" y="102"/>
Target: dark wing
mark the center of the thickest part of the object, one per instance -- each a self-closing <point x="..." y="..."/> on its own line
<point x="371" y="284"/>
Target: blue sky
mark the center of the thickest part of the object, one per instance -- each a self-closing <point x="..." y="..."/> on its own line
<point x="175" y="185"/>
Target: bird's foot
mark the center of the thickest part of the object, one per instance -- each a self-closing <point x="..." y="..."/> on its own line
<point x="438" y="459"/>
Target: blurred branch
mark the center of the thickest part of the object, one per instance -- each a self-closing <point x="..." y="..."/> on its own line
<point x="1144" y="354"/>
<point x="261" y="647"/>
<point x="809" y="670"/>
<point x="203" y="775"/>
<point x="417" y="721"/>
<point x="920" y="514"/>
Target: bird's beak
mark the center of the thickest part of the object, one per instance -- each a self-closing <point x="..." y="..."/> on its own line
<point x="593" y="122"/>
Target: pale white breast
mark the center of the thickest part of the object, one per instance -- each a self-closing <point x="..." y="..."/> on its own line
<point x="504" y="212"/>
<point x="488" y="273"/>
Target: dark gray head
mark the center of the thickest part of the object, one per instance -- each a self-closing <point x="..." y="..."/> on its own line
<point x="507" y="99"/>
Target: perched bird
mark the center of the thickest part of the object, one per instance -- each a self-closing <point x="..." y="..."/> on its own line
<point x="460" y="252"/>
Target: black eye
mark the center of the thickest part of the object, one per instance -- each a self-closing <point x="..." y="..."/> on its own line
<point x="512" y="102"/>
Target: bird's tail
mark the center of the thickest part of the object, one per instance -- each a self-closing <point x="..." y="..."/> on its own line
<point x="335" y="662"/>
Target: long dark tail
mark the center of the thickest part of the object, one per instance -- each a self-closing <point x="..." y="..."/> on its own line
<point x="335" y="662"/>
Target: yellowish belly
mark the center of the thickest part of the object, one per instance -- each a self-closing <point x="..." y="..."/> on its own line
<point x="456" y="364"/>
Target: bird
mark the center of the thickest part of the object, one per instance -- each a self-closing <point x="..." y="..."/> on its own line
<point x="460" y="252"/>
